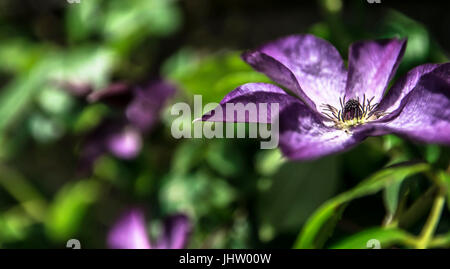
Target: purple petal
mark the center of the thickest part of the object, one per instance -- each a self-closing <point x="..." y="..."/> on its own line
<point x="94" y="146"/>
<point x="129" y="232"/>
<point x="125" y="144"/>
<point x="253" y="95"/>
<point x="425" y="111"/>
<point x="309" y="66"/>
<point x="371" y="66"/>
<point x="77" y="89"/>
<point x="177" y="229"/>
<point x="144" y="109"/>
<point x="304" y="136"/>
<point x="391" y="101"/>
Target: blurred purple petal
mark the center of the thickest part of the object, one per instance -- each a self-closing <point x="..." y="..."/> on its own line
<point x="129" y="232"/>
<point x="94" y="145"/>
<point x="316" y="70"/>
<point x="144" y="109"/>
<point x="425" y="111"/>
<point x="252" y="93"/>
<point x="77" y="89"/>
<point x="304" y="136"/>
<point x="371" y="65"/>
<point x="177" y="229"/>
<point x="125" y="144"/>
<point x="116" y="94"/>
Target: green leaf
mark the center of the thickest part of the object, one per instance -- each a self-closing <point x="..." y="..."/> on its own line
<point x="394" y="174"/>
<point x="225" y="157"/>
<point x="19" y="55"/>
<point x="269" y="161"/>
<point x="432" y="153"/>
<point x="69" y="208"/>
<point x="391" y="196"/>
<point x="369" y="238"/>
<point x="83" y="20"/>
<point x="212" y="76"/>
<point x="444" y="178"/>
<point x="297" y="189"/>
<point x="440" y="241"/>
<point x="87" y="64"/>
<point x="14" y="225"/>
<point x="17" y="95"/>
<point x="23" y="191"/>
<point x="188" y="154"/>
<point x="124" y="19"/>
<point x="419" y="42"/>
<point x="199" y="194"/>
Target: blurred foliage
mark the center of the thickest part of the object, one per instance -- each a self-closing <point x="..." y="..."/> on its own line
<point x="236" y="195"/>
<point x="210" y="76"/>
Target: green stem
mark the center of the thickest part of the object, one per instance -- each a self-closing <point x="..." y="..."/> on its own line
<point x="432" y="221"/>
<point x="19" y="188"/>
<point x="442" y="241"/>
<point x="418" y="209"/>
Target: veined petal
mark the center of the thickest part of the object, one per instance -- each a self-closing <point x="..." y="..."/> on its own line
<point x="391" y="101"/>
<point x="177" y="229"/>
<point x="304" y="136"/>
<point x="309" y="66"/>
<point x="247" y="102"/>
<point x="371" y="66"/>
<point x="130" y="232"/>
<point x="425" y="111"/>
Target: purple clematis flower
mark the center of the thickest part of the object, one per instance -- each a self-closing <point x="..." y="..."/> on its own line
<point x="332" y="108"/>
<point x="139" y="110"/>
<point x="130" y="232"/>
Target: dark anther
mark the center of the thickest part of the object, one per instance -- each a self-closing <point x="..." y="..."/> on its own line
<point x="352" y="110"/>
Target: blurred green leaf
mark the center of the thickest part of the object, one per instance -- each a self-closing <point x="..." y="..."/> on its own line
<point x="444" y="178"/>
<point x="55" y="101"/>
<point x="106" y="167"/>
<point x="45" y="129"/>
<point x="69" y="208"/>
<point x="440" y="241"/>
<point x="14" y="225"/>
<point x="87" y="64"/>
<point x="83" y="20"/>
<point x="17" y="95"/>
<point x="417" y="50"/>
<point x="267" y="162"/>
<point x="196" y="194"/>
<point x="19" y="55"/>
<point x="365" y="239"/>
<point x="432" y="153"/>
<point x="212" y="76"/>
<point x="297" y="189"/>
<point x="89" y="118"/>
<point x="311" y="232"/>
<point x="127" y="22"/>
<point x="391" y="195"/>
<point x="188" y="154"/>
<point x="24" y="192"/>
<point x="225" y="157"/>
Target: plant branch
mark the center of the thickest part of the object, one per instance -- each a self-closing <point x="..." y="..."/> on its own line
<point x="432" y="221"/>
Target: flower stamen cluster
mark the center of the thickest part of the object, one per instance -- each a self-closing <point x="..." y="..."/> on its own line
<point x="352" y="112"/>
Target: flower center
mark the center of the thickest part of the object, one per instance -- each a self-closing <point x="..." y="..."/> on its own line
<point x="352" y="112"/>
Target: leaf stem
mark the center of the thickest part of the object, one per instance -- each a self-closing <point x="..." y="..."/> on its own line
<point x="432" y="221"/>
